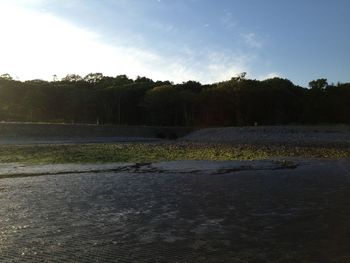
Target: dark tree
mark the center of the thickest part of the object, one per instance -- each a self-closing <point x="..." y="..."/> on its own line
<point x="319" y="84"/>
<point x="124" y="101"/>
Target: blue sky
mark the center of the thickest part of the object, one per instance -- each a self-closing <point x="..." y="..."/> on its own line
<point x="177" y="40"/>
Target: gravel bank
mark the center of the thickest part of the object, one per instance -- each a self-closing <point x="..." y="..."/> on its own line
<point x="339" y="135"/>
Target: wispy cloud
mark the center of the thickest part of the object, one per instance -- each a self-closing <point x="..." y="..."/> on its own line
<point x="163" y="27"/>
<point x="252" y="40"/>
<point x="228" y="21"/>
<point x="37" y="44"/>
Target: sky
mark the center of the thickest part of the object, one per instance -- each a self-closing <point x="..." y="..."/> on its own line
<point x="176" y="40"/>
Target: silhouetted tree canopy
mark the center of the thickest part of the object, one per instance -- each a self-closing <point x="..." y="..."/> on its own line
<point x="72" y="78"/>
<point x="319" y="84"/>
<point x="6" y="76"/>
<point x="124" y="101"/>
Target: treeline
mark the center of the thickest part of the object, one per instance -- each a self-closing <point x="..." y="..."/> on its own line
<point x="124" y="101"/>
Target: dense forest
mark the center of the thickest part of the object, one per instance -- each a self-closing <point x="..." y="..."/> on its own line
<point x="120" y="100"/>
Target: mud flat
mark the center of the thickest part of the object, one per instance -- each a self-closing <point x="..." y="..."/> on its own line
<point x="196" y="211"/>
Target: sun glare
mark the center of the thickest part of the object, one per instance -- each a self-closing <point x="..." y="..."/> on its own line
<point x="37" y="44"/>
